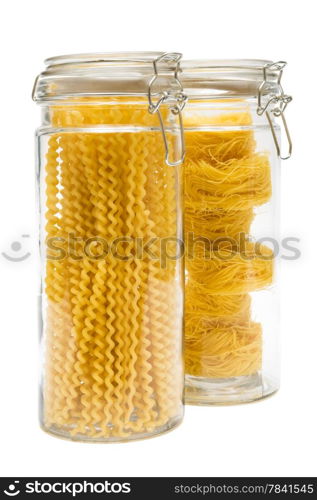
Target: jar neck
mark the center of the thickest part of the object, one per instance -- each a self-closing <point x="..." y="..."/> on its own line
<point x="226" y="112"/>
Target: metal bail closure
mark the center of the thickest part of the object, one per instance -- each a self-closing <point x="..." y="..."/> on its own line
<point x="275" y="105"/>
<point x="174" y="96"/>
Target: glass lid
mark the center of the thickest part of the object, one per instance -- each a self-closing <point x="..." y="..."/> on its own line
<point x="98" y="74"/>
<point x="229" y="77"/>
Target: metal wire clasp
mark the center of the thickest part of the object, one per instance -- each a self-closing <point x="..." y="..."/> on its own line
<point x="173" y="95"/>
<point x="275" y="105"/>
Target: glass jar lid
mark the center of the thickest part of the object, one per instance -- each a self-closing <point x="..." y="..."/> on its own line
<point x="100" y="74"/>
<point x="229" y="78"/>
<point x="161" y="78"/>
<point x="241" y="79"/>
<point x="83" y="76"/>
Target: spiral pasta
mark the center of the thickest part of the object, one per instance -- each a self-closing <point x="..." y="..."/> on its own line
<point x="112" y="343"/>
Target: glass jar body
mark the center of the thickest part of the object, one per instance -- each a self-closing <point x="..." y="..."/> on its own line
<point x="231" y="196"/>
<point x="112" y="287"/>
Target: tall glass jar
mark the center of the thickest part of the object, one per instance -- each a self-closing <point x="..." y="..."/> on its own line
<point x="110" y="204"/>
<point x="231" y="195"/>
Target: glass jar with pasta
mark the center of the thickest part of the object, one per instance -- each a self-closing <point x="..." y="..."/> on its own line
<point x="231" y="196"/>
<point x="109" y="150"/>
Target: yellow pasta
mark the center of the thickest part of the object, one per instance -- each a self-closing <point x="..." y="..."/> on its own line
<point x="231" y="270"/>
<point x="113" y="345"/>
<point x="213" y="223"/>
<point x="236" y="184"/>
<point x="208" y="145"/>
<point x="224" y="180"/>
<point x="222" y="349"/>
<point x="208" y="305"/>
<point x="220" y="146"/>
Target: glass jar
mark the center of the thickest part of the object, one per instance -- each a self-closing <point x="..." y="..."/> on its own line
<point x="231" y="196"/>
<point x="110" y="204"/>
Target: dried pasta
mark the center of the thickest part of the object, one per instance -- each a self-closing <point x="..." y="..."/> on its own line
<point x="222" y="349"/>
<point x="112" y="340"/>
<point x="213" y="223"/>
<point x="228" y="271"/>
<point x="202" y="305"/>
<point x="236" y="184"/>
<point x="225" y="179"/>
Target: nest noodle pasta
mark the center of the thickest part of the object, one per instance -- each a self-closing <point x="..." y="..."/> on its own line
<point x="222" y="349"/>
<point x="234" y="185"/>
<point x="219" y="145"/>
<point x="216" y="223"/>
<point x="225" y="178"/>
<point x="202" y="305"/>
<point x="231" y="270"/>
<point x="112" y="339"/>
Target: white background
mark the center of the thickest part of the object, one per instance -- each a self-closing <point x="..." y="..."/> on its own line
<point x="273" y="437"/>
